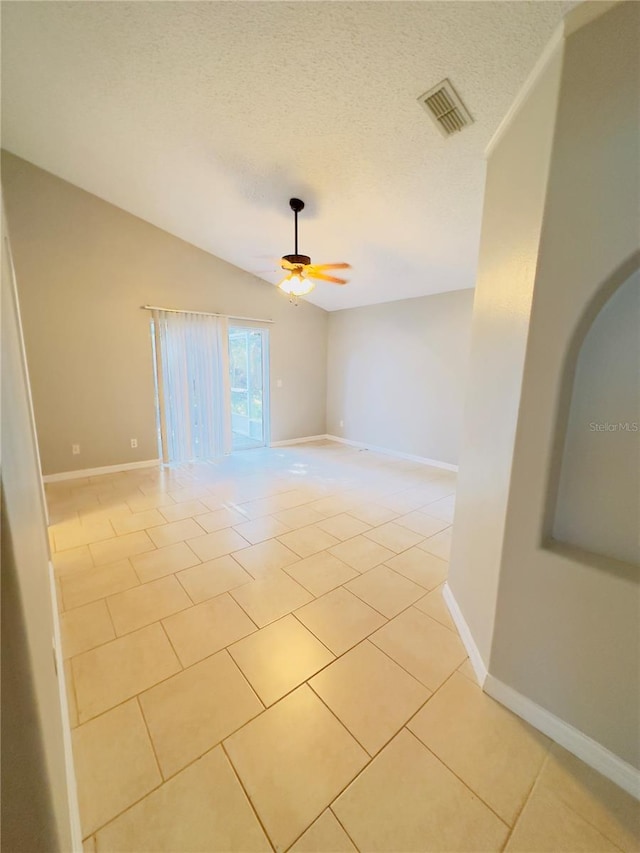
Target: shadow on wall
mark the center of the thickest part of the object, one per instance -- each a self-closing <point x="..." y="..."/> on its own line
<point x="594" y="483"/>
<point x="27" y="817"/>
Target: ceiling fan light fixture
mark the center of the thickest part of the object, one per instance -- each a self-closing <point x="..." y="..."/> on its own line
<point x="295" y="285"/>
<point x="302" y="274"/>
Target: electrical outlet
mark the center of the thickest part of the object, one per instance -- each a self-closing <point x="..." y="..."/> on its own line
<point x="75" y="449"/>
<point x="341" y="423"/>
<point x="134" y="442"/>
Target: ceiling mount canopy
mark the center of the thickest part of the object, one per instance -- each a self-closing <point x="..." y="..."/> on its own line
<point x="301" y="272"/>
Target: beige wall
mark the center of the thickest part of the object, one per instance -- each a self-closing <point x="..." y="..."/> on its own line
<point x="36" y="782"/>
<point x="563" y="630"/>
<point x="397" y="374"/>
<point x="84" y="268"/>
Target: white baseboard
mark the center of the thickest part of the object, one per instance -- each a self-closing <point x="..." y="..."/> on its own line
<point x="302" y="440"/>
<point x="95" y="472"/>
<point x="572" y="739"/>
<point x="423" y="460"/>
<point x="475" y="657"/>
<point x="72" y="788"/>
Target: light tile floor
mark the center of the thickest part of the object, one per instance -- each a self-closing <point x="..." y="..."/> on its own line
<point x="259" y="657"/>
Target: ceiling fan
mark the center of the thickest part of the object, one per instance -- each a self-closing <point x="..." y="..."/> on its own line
<point x="302" y="274"/>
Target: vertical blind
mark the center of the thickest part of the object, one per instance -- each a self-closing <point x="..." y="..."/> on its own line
<point x="192" y="364"/>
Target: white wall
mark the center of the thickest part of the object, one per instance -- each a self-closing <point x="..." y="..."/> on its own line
<point x="598" y="502"/>
<point x="511" y="223"/>
<point x="397" y="374"/>
<point x="35" y="782"/>
<point x="567" y="627"/>
<point x="84" y="270"/>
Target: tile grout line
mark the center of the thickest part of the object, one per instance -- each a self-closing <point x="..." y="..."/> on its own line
<point x="364" y="601"/>
<point x="186" y="591"/>
<point x="211" y="747"/>
<point x="344" y="828"/>
<point x="587" y="821"/>
<point x="396" y="732"/>
<point x="231" y="596"/>
<point x="337" y="654"/>
<point x="130" y="806"/>
<point x="153" y="621"/>
<point x="453" y="629"/>
<point x="369" y="761"/>
<point x="438" y="688"/>
<point x="128" y="698"/>
<point x="151" y="743"/>
<point x="370" y="638"/>
<point x="249" y="684"/>
<point x="417" y="583"/>
<point x="109" y="594"/>
<point x="112" y="623"/>
<point x="558" y="796"/>
<point x="246" y="793"/>
<point x="462" y="782"/>
<point x="344" y="725"/>
<point x="526" y="799"/>
<point x="400" y="666"/>
<point x="75" y="700"/>
<point x="313" y="634"/>
<point x="177" y="656"/>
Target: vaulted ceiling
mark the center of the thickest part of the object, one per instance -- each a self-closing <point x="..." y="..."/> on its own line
<point x="204" y="118"/>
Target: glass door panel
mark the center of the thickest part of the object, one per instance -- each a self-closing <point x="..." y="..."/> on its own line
<point x="247" y="371"/>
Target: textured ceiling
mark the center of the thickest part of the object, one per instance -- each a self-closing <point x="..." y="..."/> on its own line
<point x="205" y="117"/>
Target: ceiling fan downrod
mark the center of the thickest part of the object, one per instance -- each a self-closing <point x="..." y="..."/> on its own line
<point x="297" y="205"/>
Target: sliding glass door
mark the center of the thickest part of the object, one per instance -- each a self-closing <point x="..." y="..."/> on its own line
<point x="212" y="389"/>
<point x="248" y="379"/>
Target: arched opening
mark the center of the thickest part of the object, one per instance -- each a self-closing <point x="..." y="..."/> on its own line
<point x="596" y="475"/>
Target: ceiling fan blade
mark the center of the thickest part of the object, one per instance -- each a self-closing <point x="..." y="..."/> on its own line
<point x="323" y="267"/>
<point x="286" y="265"/>
<point x="322" y="277"/>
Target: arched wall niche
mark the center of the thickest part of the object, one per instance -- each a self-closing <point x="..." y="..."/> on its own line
<point x="593" y="502"/>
